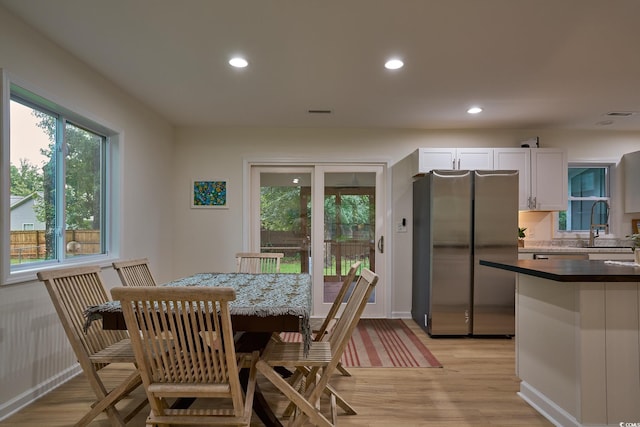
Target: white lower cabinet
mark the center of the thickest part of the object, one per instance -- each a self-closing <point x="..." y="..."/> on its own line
<point x="577" y="350"/>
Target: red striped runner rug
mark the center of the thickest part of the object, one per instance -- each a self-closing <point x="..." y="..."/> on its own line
<point x="382" y="343"/>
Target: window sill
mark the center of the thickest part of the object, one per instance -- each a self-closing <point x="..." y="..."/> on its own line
<point x="30" y="274"/>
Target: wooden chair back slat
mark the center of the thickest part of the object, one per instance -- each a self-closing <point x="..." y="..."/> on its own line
<point x="183" y="341"/>
<point x="330" y="319"/>
<point x="135" y="272"/>
<point x="346" y="324"/>
<point x="258" y="262"/>
<point x="72" y="291"/>
<point x="322" y="361"/>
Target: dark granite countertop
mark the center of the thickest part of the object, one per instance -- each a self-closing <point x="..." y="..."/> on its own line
<point x="566" y="270"/>
<point x="571" y="249"/>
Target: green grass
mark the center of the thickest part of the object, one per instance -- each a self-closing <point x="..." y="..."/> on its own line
<point x="290" y="268"/>
<point x="294" y="267"/>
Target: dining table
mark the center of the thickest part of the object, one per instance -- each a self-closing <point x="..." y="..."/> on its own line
<point x="265" y="303"/>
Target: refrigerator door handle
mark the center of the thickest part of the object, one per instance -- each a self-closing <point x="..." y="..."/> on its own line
<point x="381" y="244"/>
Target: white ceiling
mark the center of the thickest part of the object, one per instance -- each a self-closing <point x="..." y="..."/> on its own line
<point x="531" y="64"/>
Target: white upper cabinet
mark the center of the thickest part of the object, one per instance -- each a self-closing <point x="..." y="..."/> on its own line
<point x="631" y="164"/>
<point x="517" y="159"/>
<point x="543" y="176"/>
<point x="428" y="159"/>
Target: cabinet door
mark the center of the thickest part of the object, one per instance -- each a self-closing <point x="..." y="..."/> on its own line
<point x="517" y="159"/>
<point x="436" y="158"/>
<point x="474" y="158"/>
<point x="631" y="163"/>
<point x="549" y="185"/>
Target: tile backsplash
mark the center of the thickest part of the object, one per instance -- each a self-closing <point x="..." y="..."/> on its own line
<point x="540" y="232"/>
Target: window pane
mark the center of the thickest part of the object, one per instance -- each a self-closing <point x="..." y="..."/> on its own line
<point x="587" y="182"/>
<point x="285" y="218"/>
<point x="30" y="156"/>
<point x="83" y="189"/>
<point x="581" y="214"/>
<point x="587" y="185"/>
<point x="57" y="184"/>
<point x="349" y="227"/>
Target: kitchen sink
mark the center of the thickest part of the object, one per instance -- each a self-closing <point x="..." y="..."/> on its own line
<point x="561" y="256"/>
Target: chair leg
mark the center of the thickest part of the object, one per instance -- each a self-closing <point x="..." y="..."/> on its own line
<point x="330" y="391"/>
<point x="135" y="411"/>
<point x="334" y="411"/>
<point x="108" y="400"/>
<point x="343" y="370"/>
<point x="333" y="394"/>
<point x="296" y="377"/>
<point x="308" y="410"/>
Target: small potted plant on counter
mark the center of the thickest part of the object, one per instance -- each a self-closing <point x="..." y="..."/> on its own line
<point x="521" y="236"/>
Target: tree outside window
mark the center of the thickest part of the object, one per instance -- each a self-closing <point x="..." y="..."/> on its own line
<point x="72" y="158"/>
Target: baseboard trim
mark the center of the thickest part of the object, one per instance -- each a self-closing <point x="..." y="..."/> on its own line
<point x="401" y="315"/>
<point x="17" y="403"/>
<point x="541" y="403"/>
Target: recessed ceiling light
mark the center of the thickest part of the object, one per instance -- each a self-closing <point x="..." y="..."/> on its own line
<point x="238" y="62"/>
<point x="474" y="110"/>
<point x="393" y="64"/>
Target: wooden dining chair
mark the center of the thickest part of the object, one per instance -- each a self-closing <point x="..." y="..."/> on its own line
<point x="134" y="272"/>
<point x="198" y="362"/>
<point x="72" y="290"/>
<point x="321" y="327"/>
<point x="258" y="262"/>
<point x="322" y="330"/>
<point x="321" y="361"/>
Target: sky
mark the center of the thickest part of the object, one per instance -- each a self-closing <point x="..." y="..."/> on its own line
<point x="26" y="137"/>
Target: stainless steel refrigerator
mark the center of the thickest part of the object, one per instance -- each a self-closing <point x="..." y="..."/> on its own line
<point x="460" y="217"/>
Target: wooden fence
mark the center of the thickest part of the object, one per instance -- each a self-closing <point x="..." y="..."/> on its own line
<point x="31" y="245"/>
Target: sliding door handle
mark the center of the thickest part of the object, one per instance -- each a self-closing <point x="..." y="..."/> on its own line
<point x="381" y="244"/>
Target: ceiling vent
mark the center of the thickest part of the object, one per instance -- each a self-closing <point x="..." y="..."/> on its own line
<point x="319" y="111"/>
<point x="620" y="113"/>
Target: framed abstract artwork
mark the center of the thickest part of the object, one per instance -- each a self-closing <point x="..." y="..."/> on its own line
<point x="209" y="193"/>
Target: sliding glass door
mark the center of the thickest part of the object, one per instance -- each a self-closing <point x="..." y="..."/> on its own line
<point x="286" y="203"/>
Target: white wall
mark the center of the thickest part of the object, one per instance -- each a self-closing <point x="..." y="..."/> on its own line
<point x="205" y="240"/>
<point x="34" y="353"/>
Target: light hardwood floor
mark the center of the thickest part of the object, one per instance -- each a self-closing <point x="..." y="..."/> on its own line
<point x="476" y="387"/>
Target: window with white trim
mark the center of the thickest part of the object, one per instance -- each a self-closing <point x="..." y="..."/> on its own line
<point x="589" y="184"/>
<point x="59" y="163"/>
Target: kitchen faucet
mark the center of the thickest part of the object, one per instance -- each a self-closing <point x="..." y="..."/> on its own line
<point x="596" y="227"/>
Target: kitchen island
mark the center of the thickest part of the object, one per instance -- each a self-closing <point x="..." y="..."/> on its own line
<point x="578" y="339"/>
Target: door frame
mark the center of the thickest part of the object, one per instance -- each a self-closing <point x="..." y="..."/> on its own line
<point x="383" y="222"/>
